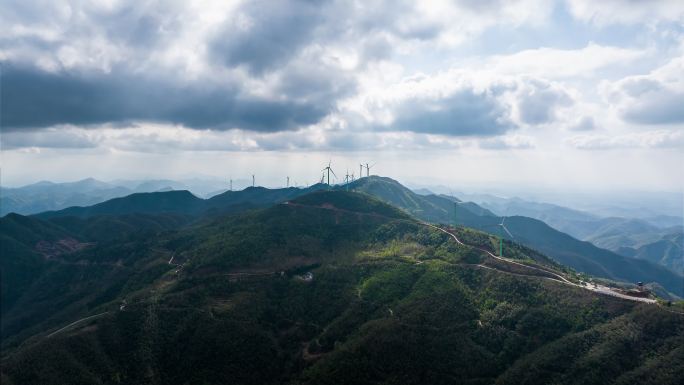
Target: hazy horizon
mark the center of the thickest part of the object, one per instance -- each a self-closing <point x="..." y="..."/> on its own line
<point x="629" y="203"/>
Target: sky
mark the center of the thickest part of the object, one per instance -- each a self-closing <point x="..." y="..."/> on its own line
<point x="527" y="94"/>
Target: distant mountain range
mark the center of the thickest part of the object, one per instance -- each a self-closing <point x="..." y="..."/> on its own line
<point x="667" y="251"/>
<point x="43" y="196"/>
<point x="567" y="250"/>
<point x="657" y="239"/>
<point x="46" y="196"/>
<point x="184" y="202"/>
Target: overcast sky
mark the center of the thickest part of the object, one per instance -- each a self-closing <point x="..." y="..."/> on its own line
<point x="575" y="94"/>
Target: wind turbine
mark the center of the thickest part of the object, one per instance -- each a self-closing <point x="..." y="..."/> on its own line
<point x="456" y="203"/>
<point x="503" y="228"/>
<point x="329" y="170"/>
<point x="456" y="210"/>
<point x="252" y="180"/>
<point x="347" y="177"/>
<point x="288" y="182"/>
<point x="368" y="167"/>
<point x="361" y="170"/>
<point x="231" y="184"/>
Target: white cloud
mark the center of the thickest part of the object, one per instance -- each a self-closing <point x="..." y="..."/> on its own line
<point x="463" y="19"/>
<point x="508" y="142"/>
<point x="655" y="98"/>
<point x="627" y="12"/>
<point x="54" y="137"/>
<point x="457" y="102"/>
<point x="562" y="63"/>
<point x="584" y="123"/>
<point x="161" y="138"/>
<point x="538" y="101"/>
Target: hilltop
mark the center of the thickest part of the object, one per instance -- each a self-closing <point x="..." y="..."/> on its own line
<point x="182" y="202"/>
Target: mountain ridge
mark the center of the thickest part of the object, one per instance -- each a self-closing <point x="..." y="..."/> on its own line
<point x="580" y="255"/>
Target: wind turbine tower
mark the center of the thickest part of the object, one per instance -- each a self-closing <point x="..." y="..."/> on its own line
<point x="456" y="212"/>
<point x="347" y="178"/>
<point x="503" y="228"/>
<point x="368" y="167"/>
<point x="252" y="180"/>
<point x="288" y="182"/>
<point x="329" y="170"/>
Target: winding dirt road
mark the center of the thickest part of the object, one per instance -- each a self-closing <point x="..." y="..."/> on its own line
<point x="558" y="278"/>
<point x="76" y="323"/>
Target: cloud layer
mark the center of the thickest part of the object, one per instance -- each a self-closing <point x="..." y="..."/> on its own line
<point x="311" y="75"/>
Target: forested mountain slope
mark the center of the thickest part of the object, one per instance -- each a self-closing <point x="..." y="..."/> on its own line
<point x="331" y="287"/>
<point x="580" y="255"/>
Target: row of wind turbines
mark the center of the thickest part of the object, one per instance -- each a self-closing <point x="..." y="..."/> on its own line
<point x="325" y="178"/>
<point x="326" y="171"/>
<point x="347" y="177"/>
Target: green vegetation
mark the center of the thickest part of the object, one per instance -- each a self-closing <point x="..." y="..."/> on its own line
<point x="566" y="250"/>
<point x="533" y="233"/>
<point x="221" y="299"/>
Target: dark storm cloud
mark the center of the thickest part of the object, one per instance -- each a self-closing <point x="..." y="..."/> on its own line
<point x="464" y="113"/>
<point x="33" y="98"/>
<point x="136" y="26"/>
<point x="116" y="83"/>
<point x="120" y="63"/>
<point x="302" y="91"/>
<point x="264" y="35"/>
<point x="132" y="23"/>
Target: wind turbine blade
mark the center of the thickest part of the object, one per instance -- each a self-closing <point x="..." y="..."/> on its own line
<point x="502" y="220"/>
<point x="333" y="172"/>
<point x="508" y="232"/>
<point x="371" y="166"/>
